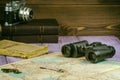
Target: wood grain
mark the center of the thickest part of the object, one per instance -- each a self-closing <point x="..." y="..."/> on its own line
<point x="92" y="2"/>
<point x="78" y="17"/>
<point x="82" y="31"/>
<point x="73" y="1"/>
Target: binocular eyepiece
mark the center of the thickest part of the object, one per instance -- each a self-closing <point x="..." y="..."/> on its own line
<point x="94" y="52"/>
<point x="74" y="49"/>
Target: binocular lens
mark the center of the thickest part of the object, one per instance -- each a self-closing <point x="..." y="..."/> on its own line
<point x="95" y="56"/>
<point x="91" y="56"/>
<point x="66" y="50"/>
<point x="74" y="49"/>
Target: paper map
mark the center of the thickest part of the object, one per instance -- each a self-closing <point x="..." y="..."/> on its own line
<point x="54" y="66"/>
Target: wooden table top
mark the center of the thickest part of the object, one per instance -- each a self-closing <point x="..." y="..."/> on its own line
<point x="56" y="47"/>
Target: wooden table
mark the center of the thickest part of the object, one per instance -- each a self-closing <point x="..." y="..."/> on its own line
<point x="56" y="47"/>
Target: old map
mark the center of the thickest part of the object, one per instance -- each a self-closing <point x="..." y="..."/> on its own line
<point x="54" y="66"/>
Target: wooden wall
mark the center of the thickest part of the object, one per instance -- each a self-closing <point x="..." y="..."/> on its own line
<point x="80" y="17"/>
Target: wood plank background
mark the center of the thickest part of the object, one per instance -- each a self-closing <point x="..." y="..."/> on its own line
<point x="80" y="17"/>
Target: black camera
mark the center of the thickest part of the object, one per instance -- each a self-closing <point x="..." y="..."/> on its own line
<point x="94" y="52"/>
<point x="16" y="12"/>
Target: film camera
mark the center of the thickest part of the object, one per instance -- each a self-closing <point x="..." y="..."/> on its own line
<point x="94" y="52"/>
<point x="16" y="12"/>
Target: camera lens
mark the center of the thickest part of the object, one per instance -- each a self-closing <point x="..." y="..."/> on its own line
<point x="25" y="14"/>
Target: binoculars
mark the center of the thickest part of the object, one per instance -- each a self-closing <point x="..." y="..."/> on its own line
<point x="94" y="52"/>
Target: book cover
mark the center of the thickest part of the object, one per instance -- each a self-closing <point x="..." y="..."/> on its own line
<point x="35" y="27"/>
<point x="22" y="50"/>
<point x="34" y="38"/>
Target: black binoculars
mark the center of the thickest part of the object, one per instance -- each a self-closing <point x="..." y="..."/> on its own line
<point x="94" y="52"/>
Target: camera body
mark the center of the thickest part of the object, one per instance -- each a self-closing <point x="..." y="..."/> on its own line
<point x="16" y="12"/>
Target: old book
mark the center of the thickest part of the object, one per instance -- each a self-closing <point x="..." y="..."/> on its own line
<point x="34" y="38"/>
<point x="35" y="27"/>
<point x="22" y="50"/>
